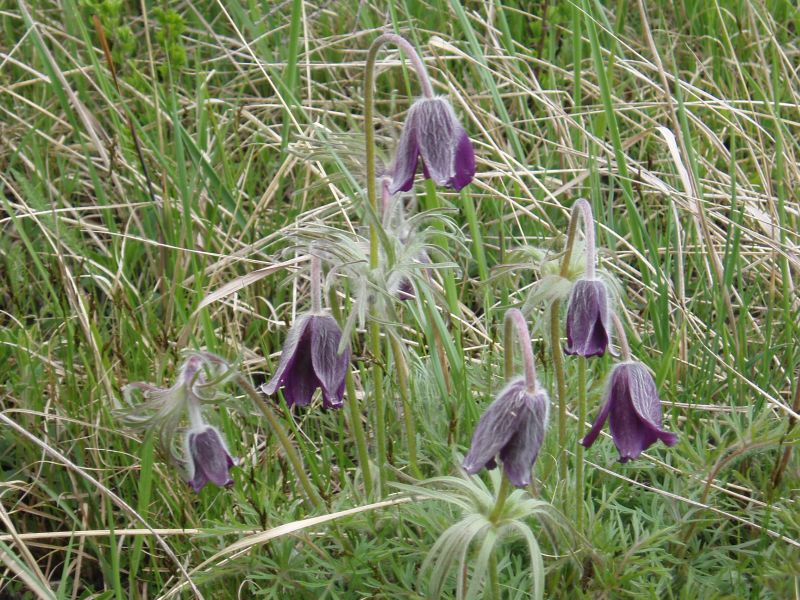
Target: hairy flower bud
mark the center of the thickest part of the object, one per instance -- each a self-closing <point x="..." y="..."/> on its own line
<point x="310" y="360"/>
<point x="433" y="131"/>
<point x="588" y="318"/>
<point x="512" y="428"/>
<point x="633" y="409"/>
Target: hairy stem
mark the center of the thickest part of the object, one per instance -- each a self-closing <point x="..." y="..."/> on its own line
<point x="316" y="285"/>
<point x="291" y="454"/>
<point x="515" y="323"/>
<point x="625" y="349"/>
<point x="579" y="483"/>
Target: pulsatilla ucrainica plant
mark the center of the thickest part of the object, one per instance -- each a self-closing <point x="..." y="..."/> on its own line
<point x="510" y="432"/>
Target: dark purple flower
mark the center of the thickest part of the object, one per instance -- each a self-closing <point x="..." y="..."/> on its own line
<point x="207" y="458"/>
<point x="512" y="428"/>
<point x="432" y="130"/>
<point x="631" y="401"/>
<point x="310" y="360"/>
<point x="588" y="318"/>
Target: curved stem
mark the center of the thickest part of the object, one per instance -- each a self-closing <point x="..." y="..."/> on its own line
<point x="581" y="209"/>
<point x="625" y="349"/>
<point x="195" y="413"/>
<point x="316" y="285"/>
<point x="291" y="454"/>
<point x="515" y="322"/>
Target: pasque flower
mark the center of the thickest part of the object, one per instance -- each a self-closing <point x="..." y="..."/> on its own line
<point x="588" y="318"/>
<point x="433" y="132"/>
<point x="632" y="406"/>
<point x="513" y="426"/>
<point x="207" y="458"/>
<point x="310" y="358"/>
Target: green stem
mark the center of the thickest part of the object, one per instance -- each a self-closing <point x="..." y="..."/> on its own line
<point x="297" y="464"/>
<point x="354" y="410"/>
<point x="494" y="580"/>
<point x="579" y="484"/>
<point x="403" y="382"/>
<point x="500" y="502"/>
<point x="561" y="387"/>
<point x="380" y="403"/>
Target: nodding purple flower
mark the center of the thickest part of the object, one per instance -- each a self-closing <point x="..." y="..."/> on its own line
<point x="433" y="131"/>
<point x="633" y="408"/>
<point x="207" y="458"/>
<point x="310" y="360"/>
<point x="512" y="428"/>
<point x="588" y="318"/>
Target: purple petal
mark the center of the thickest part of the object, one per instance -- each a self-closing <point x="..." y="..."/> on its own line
<point x="406" y="156"/>
<point x="590" y="437"/>
<point x="587" y="319"/>
<point x="464" y="164"/>
<point x="210" y="458"/>
<point x="635" y="418"/>
<point x="496" y="426"/>
<point x="329" y="366"/>
<point x="520" y="453"/>
<point x="438" y="138"/>
<point x="300" y="381"/>
<point x="288" y="354"/>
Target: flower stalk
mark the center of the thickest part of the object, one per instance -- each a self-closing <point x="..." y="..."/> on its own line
<point x="312" y="495"/>
<point x="372" y="198"/>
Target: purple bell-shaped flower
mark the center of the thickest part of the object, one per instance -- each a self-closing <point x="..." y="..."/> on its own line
<point x="433" y="132"/>
<point x="588" y="319"/>
<point x="633" y="408"/>
<point x="207" y="458"/>
<point x="310" y="360"/>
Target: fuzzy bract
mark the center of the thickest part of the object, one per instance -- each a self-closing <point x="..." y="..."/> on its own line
<point x="588" y="318"/>
<point x="207" y="458"/>
<point x="309" y="360"/>
<point x="433" y="132"/>
<point x="512" y="428"/>
<point x="633" y="408"/>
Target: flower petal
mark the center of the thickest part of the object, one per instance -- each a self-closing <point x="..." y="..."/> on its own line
<point x="587" y="319"/>
<point x="288" y="354"/>
<point x="438" y="135"/>
<point x="329" y="366"/>
<point x="300" y="381"/>
<point x="464" y="162"/>
<point x="590" y="437"/>
<point x="497" y="425"/>
<point x="406" y="156"/>
<point x="210" y="458"/>
<point x="519" y="454"/>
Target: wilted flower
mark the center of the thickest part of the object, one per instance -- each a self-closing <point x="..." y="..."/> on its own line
<point x="310" y="360"/>
<point x="207" y="458"/>
<point x="433" y="131"/>
<point x="588" y="318"/>
<point x="633" y="408"/>
<point x="512" y="428"/>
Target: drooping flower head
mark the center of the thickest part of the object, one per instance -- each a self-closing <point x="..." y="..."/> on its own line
<point x="588" y="318"/>
<point x="633" y="408"/>
<point x="433" y="132"/>
<point x="198" y="381"/>
<point x="512" y="428"/>
<point x="310" y="360"/>
<point x="207" y="458"/>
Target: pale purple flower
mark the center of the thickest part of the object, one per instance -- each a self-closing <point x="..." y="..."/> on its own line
<point x="433" y="131"/>
<point x="588" y="318"/>
<point x="207" y="458"/>
<point x="512" y="428"/>
<point x="310" y="360"/>
<point x="632" y="406"/>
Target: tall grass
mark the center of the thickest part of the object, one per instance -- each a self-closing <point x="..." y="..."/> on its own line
<point x="156" y="211"/>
